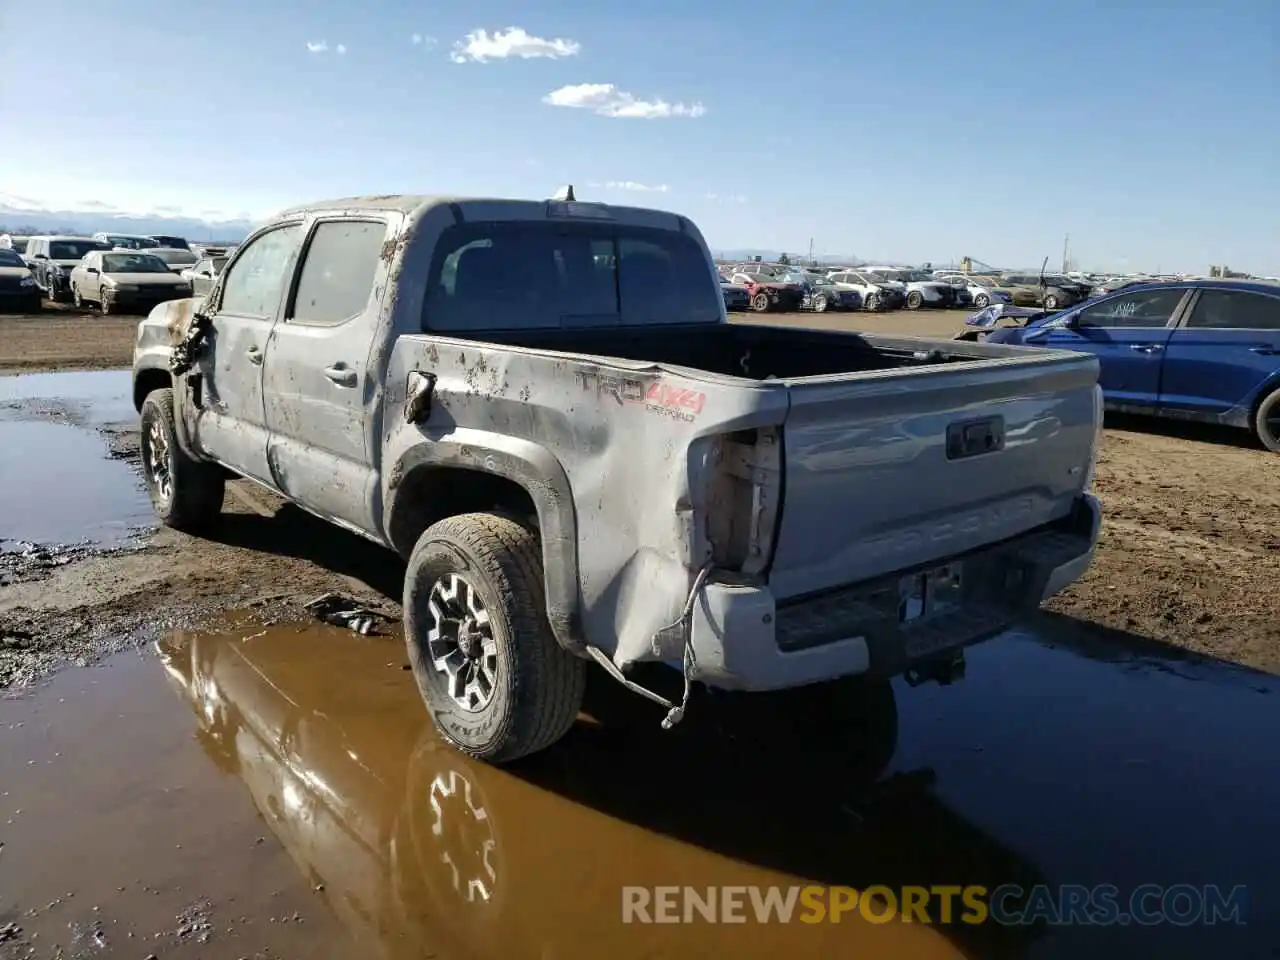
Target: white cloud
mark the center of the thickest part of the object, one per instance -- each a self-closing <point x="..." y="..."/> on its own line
<point x="606" y="100"/>
<point x="341" y="49"/>
<point x="636" y="187"/>
<point x="726" y="197"/>
<point x="317" y="46"/>
<point x="478" y="46"/>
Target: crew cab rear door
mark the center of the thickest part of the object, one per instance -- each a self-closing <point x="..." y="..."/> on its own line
<point x="320" y="395"/>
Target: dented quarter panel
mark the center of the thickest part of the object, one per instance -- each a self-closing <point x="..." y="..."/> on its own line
<point x="615" y="455"/>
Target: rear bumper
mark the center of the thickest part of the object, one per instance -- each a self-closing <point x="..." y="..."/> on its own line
<point x="743" y="640"/>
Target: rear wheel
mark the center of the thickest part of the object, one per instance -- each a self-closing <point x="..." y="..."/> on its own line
<point x="186" y="494"/>
<point x="75" y="297"/>
<point x="1266" y="422"/>
<point x="496" y="682"/>
<point x="760" y="302"/>
<point x="820" y="304"/>
<point x="1051" y="302"/>
<point x="914" y="300"/>
<point x="981" y="301"/>
<point x="872" y="302"/>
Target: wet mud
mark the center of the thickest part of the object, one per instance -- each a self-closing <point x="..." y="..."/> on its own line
<point x="251" y="790"/>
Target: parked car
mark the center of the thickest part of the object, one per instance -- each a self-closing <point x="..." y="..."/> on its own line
<point x="1199" y="350"/>
<point x="206" y="270"/>
<point x="213" y="249"/>
<point x="15" y="242"/>
<point x="126" y="241"/>
<point x="771" y="286"/>
<point x="874" y="295"/>
<point x="822" y="294"/>
<point x="919" y="288"/>
<point x="169" y="242"/>
<point x="18" y="290"/>
<point x="1026" y="290"/>
<point x="178" y="260"/>
<point x="981" y="293"/>
<point x="53" y="258"/>
<point x="1116" y="284"/>
<point x="1082" y="288"/>
<point x="362" y="357"/>
<point x="135" y="280"/>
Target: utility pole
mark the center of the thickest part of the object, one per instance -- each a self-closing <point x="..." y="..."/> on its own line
<point x="1066" y="263"/>
<point x="811" y="260"/>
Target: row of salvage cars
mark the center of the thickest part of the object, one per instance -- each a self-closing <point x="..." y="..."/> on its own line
<point x="108" y="271"/>
<point x="765" y="286"/>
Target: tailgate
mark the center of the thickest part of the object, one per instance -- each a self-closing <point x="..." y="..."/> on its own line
<point x="897" y="468"/>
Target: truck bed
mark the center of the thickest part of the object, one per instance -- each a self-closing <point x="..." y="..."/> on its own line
<point x="752" y="351"/>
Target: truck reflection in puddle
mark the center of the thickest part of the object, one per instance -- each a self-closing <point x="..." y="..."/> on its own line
<point x="422" y="851"/>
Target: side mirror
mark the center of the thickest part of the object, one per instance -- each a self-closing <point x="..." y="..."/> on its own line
<point x="40" y="256"/>
<point x="91" y="270"/>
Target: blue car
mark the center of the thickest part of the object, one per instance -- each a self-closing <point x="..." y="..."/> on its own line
<point x="1193" y="350"/>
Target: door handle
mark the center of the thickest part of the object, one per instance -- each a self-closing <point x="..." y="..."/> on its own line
<point x="1264" y="350"/>
<point x="255" y="355"/>
<point x="341" y="374"/>
<point x="1146" y="347"/>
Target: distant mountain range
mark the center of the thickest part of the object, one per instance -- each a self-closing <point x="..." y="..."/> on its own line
<point x="18" y="215"/>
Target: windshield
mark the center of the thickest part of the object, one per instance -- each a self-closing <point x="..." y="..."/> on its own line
<point x="131" y="243"/>
<point x="881" y="276"/>
<point x="9" y="258"/>
<point x="914" y="276"/>
<point x="72" y="249"/>
<point x="133" y="263"/>
<point x="174" y="257"/>
<point x="505" y="276"/>
<point x="19" y="243"/>
<point x="176" y="243"/>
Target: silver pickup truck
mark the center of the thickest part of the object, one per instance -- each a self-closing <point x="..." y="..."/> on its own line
<point x="542" y="407"/>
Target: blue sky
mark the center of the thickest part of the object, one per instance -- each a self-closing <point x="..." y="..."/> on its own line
<point x="913" y="131"/>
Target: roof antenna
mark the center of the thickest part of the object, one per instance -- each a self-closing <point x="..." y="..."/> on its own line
<point x="564" y="194"/>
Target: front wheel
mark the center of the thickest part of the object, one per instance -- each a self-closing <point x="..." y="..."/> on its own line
<point x="1051" y="302"/>
<point x="75" y="296"/>
<point x="760" y="302"/>
<point x="872" y="303"/>
<point x="1266" y="422"/>
<point x="186" y="494"/>
<point x="496" y="682"/>
<point x="820" y="305"/>
<point x="914" y="300"/>
<point x="981" y="301"/>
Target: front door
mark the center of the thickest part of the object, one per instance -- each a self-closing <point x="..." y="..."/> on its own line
<point x="1228" y="346"/>
<point x="230" y="422"/>
<point x="321" y="395"/>
<point x="1128" y="334"/>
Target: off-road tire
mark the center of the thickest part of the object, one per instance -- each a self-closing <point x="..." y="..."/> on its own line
<point x="915" y="300"/>
<point x="196" y="489"/>
<point x="1266" y="421"/>
<point x="982" y="301"/>
<point x="539" y="685"/>
<point x="760" y="302"/>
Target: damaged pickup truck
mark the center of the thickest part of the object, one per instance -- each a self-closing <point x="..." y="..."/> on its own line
<point x="542" y="407"/>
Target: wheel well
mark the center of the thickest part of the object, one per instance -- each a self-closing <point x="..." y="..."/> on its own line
<point x="1265" y="392"/>
<point x="146" y="381"/>
<point x="429" y="494"/>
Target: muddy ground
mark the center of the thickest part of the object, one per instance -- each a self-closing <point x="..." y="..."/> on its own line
<point x="1189" y="554"/>
<point x="286" y="786"/>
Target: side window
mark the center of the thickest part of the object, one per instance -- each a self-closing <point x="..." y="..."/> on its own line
<point x="1235" y="310"/>
<point x="338" y="271"/>
<point x="253" y="285"/>
<point x="1150" y="308"/>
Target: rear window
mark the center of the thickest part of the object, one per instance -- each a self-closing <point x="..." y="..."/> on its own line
<point x="72" y="249"/>
<point x="507" y="276"/>
<point x="10" y="258"/>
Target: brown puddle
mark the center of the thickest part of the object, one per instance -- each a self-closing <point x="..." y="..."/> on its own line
<point x="419" y="852"/>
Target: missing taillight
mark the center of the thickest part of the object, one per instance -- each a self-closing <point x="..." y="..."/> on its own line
<point x="742" y="502"/>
